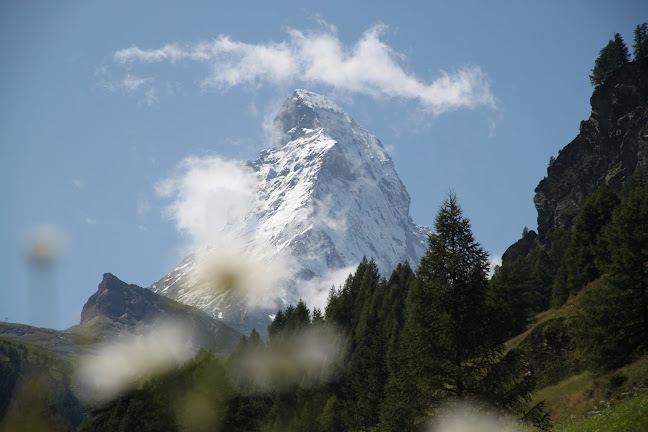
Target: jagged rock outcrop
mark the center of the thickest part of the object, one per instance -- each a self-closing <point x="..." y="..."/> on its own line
<point x="520" y="248"/>
<point x="611" y="146"/>
<point x="119" y="307"/>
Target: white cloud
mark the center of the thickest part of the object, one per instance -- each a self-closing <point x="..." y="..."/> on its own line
<point x="369" y="66"/>
<point x="210" y="197"/>
<point x="150" y="97"/>
<point x="495" y="261"/>
<point x="90" y="221"/>
<point x="315" y="291"/>
<point x="210" y="200"/>
<point x="130" y="85"/>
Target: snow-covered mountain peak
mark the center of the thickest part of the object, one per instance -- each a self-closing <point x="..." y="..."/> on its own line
<point x="327" y="195"/>
<point x="316" y="101"/>
<point x="305" y="112"/>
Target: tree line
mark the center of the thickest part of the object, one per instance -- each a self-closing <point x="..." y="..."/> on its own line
<point x="615" y="54"/>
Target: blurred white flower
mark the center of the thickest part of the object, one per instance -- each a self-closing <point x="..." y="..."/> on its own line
<point x="119" y="365"/>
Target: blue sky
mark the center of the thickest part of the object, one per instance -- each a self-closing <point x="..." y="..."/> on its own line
<point x="86" y="133"/>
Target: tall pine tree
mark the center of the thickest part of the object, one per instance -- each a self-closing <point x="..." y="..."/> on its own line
<point x="640" y="47"/>
<point x="614" y="55"/>
<point x="452" y="345"/>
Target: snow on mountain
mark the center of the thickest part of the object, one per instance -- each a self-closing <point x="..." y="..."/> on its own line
<point x="327" y="195"/>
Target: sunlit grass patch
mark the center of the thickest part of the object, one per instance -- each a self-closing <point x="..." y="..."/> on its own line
<point x="566" y="397"/>
<point x="630" y="415"/>
<point x="584" y="395"/>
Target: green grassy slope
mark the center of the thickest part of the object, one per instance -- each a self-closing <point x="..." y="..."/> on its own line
<point x="576" y="399"/>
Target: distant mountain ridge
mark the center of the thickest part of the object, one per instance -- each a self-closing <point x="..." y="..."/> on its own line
<point x="327" y="195"/>
<point x="119" y="307"/>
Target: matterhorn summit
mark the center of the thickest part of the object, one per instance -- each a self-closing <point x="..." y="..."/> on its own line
<point x="326" y="195"/>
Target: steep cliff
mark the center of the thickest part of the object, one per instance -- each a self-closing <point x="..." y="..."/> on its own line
<point x="611" y="146"/>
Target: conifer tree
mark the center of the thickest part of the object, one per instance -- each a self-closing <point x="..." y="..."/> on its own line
<point x="640" y="47"/>
<point x="299" y="319"/>
<point x="585" y="246"/>
<point x="513" y="287"/>
<point x="452" y="345"/>
<point x="394" y="411"/>
<point x="392" y="314"/>
<point x="411" y="371"/>
<point x="277" y="324"/>
<point x="614" y="55"/>
<point x="343" y="304"/>
<point x="560" y="241"/>
<point x="318" y="316"/>
<point x="367" y="369"/>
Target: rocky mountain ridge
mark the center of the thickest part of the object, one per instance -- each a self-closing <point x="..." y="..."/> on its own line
<point x="611" y="146"/>
<point x="119" y="307"/>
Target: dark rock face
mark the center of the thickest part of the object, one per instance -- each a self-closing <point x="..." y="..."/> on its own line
<point x="118" y="306"/>
<point x="293" y="116"/>
<point x="122" y="302"/>
<point x="611" y="146"/>
<point x="520" y="248"/>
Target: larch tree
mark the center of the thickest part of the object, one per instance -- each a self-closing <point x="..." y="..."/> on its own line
<point x="452" y="342"/>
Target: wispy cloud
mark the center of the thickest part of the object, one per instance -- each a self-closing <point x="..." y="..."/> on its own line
<point x="78" y="183"/>
<point x="315" y="291"/>
<point x="129" y="85"/>
<point x="369" y="66"/>
<point x="211" y="198"/>
<point x="143" y="207"/>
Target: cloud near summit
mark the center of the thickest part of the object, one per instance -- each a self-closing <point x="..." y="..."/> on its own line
<point x="369" y="66"/>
